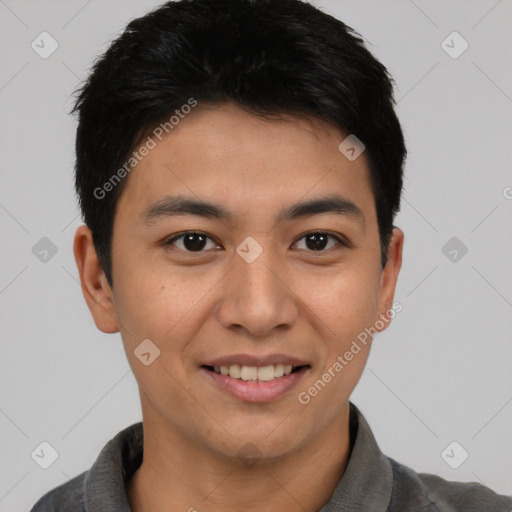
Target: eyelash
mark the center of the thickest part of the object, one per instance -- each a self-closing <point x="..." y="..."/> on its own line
<point x="341" y="241"/>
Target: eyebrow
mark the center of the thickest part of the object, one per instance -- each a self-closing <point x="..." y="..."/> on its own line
<point x="169" y="206"/>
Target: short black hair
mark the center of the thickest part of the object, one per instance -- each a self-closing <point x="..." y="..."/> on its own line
<point x="269" y="57"/>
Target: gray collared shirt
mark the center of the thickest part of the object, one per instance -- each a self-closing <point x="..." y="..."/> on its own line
<point x="372" y="482"/>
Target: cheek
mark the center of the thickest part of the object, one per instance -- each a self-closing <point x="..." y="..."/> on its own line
<point x="157" y="303"/>
<point x="347" y="308"/>
<point x="346" y="302"/>
<point x="142" y="301"/>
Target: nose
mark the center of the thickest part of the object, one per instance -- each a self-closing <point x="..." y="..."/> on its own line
<point x="258" y="297"/>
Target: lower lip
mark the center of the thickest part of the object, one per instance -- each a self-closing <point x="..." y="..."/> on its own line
<point x="251" y="391"/>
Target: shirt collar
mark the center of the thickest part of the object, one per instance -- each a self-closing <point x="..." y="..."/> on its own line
<point x="365" y="485"/>
<point x="104" y="484"/>
<point x="367" y="481"/>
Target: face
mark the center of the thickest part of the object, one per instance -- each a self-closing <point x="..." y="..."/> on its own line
<point x="264" y="275"/>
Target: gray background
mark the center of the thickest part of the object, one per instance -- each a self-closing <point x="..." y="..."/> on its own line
<point x="440" y="373"/>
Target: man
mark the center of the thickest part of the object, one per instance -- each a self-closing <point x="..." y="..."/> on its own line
<point x="239" y="167"/>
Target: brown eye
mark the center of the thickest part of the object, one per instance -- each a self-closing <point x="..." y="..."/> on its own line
<point x="318" y="241"/>
<point x="191" y="241"/>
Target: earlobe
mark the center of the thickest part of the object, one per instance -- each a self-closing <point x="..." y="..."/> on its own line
<point x="95" y="288"/>
<point x="389" y="276"/>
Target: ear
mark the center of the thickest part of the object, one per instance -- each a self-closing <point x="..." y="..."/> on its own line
<point x="389" y="278"/>
<point x="96" y="290"/>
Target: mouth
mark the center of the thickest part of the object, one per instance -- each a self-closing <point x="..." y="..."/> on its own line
<point x="253" y="379"/>
<point x="254" y="373"/>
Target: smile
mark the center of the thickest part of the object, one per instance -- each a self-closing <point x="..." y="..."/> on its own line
<point x="255" y="383"/>
<point x="254" y="373"/>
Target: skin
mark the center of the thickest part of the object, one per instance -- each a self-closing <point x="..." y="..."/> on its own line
<point x="199" y="306"/>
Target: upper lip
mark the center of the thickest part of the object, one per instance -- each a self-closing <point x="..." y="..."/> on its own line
<point x="254" y="360"/>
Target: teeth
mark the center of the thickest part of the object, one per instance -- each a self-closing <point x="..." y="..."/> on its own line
<point x="235" y="371"/>
<point x="253" y="373"/>
<point x="249" y="373"/>
<point x="266" y="373"/>
<point x="278" y="370"/>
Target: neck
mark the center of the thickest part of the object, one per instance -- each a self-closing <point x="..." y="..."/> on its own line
<point x="178" y="475"/>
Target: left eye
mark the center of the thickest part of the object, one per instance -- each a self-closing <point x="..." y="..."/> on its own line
<point x="193" y="241"/>
<point x="317" y="241"/>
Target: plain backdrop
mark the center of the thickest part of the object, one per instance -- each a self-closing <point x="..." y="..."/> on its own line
<point x="439" y="374"/>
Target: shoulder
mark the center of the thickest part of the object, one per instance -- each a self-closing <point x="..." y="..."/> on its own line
<point x="67" y="497"/>
<point x="433" y="493"/>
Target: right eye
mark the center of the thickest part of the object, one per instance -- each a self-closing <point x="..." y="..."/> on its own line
<point x="190" y="241"/>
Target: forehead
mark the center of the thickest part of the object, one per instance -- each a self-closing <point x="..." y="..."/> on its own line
<point x="225" y="155"/>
